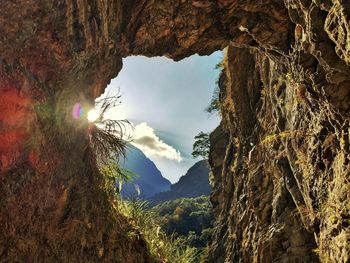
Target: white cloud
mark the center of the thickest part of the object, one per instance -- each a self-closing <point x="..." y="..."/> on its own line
<point x="147" y="141"/>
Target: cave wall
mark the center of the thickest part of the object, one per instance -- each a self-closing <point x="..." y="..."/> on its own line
<point x="281" y="187"/>
<point x="280" y="156"/>
<point x="52" y="205"/>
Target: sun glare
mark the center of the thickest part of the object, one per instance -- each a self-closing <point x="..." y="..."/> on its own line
<point x="93" y="115"/>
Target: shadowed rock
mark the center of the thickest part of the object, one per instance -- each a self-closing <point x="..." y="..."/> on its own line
<point x="281" y="186"/>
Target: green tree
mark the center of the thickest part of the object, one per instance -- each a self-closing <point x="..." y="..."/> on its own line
<point x="214" y="105"/>
<point x="201" y="145"/>
<point x="191" y="218"/>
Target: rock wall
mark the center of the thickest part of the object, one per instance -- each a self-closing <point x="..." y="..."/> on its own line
<point x="281" y="188"/>
<point x="280" y="157"/>
<point x="52" y="207"/>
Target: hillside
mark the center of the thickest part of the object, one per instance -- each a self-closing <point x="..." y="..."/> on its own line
<point x="193" y="184"/>
<point x="149" y="179"/>
<point x="189" y="217"/>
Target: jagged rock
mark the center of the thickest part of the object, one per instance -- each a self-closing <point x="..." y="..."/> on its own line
<point x="281" y="190"/>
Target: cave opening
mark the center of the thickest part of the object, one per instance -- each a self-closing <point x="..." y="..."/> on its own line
<point x="166" y="103"/>
<point x="170" y="108"/>
<point x="57" y="56"/>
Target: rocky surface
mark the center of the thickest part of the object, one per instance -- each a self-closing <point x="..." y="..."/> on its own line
<point x="280" y="157"/>
<point x="282" y="190"/>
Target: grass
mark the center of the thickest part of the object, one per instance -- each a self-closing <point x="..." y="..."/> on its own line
<point x="282" y="135"/>
<point x="163" y="248"/>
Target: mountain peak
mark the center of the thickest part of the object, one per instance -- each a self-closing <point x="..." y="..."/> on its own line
<point x="150" y="179"/>
<point x="193" y="184"/>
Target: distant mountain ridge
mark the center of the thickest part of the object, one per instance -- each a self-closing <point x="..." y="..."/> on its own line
<point x="150" y="180"/>
<point x="193" y="184"/>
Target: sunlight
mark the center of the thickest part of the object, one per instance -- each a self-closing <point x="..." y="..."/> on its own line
<point x="93" y="115"/>
<point x="118" y="113"/>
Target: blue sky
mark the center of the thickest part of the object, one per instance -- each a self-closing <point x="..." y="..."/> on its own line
<point x="165" y="100"/>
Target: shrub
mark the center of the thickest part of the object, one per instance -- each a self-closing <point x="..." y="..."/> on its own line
<point x="163" y="248"/>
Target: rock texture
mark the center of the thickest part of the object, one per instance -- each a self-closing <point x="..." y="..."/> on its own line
<point x="52" y="208"/>
<point x="282" y="186"/>
<point x="280" y="157"/>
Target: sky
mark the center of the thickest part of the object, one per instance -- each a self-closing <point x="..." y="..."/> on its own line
<point x="166" y="101"/>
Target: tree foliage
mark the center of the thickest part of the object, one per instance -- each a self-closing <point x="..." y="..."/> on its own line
<point x="191" y="218"/>
<point x="201" y="145"/>
<point x="214" y="105"/>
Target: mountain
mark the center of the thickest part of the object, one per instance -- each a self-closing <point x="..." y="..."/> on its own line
<point x="150" y="180"/>
<point x="193" y="184"/>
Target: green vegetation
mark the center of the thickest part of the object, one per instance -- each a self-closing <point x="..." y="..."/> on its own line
<point x="201" y="145"/>
<point x="189" y="218"/>
<point x="107" y="137"/>
<point x="163" y="247"/>
<point x="176" y="231"/>
<point x="115" y="175"/>
<point x="214" y="105"/>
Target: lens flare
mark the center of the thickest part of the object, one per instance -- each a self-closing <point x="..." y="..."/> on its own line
<point x="93" y="115"/>
<point x="16" y="116"/>
<point x="77" y="111"/>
